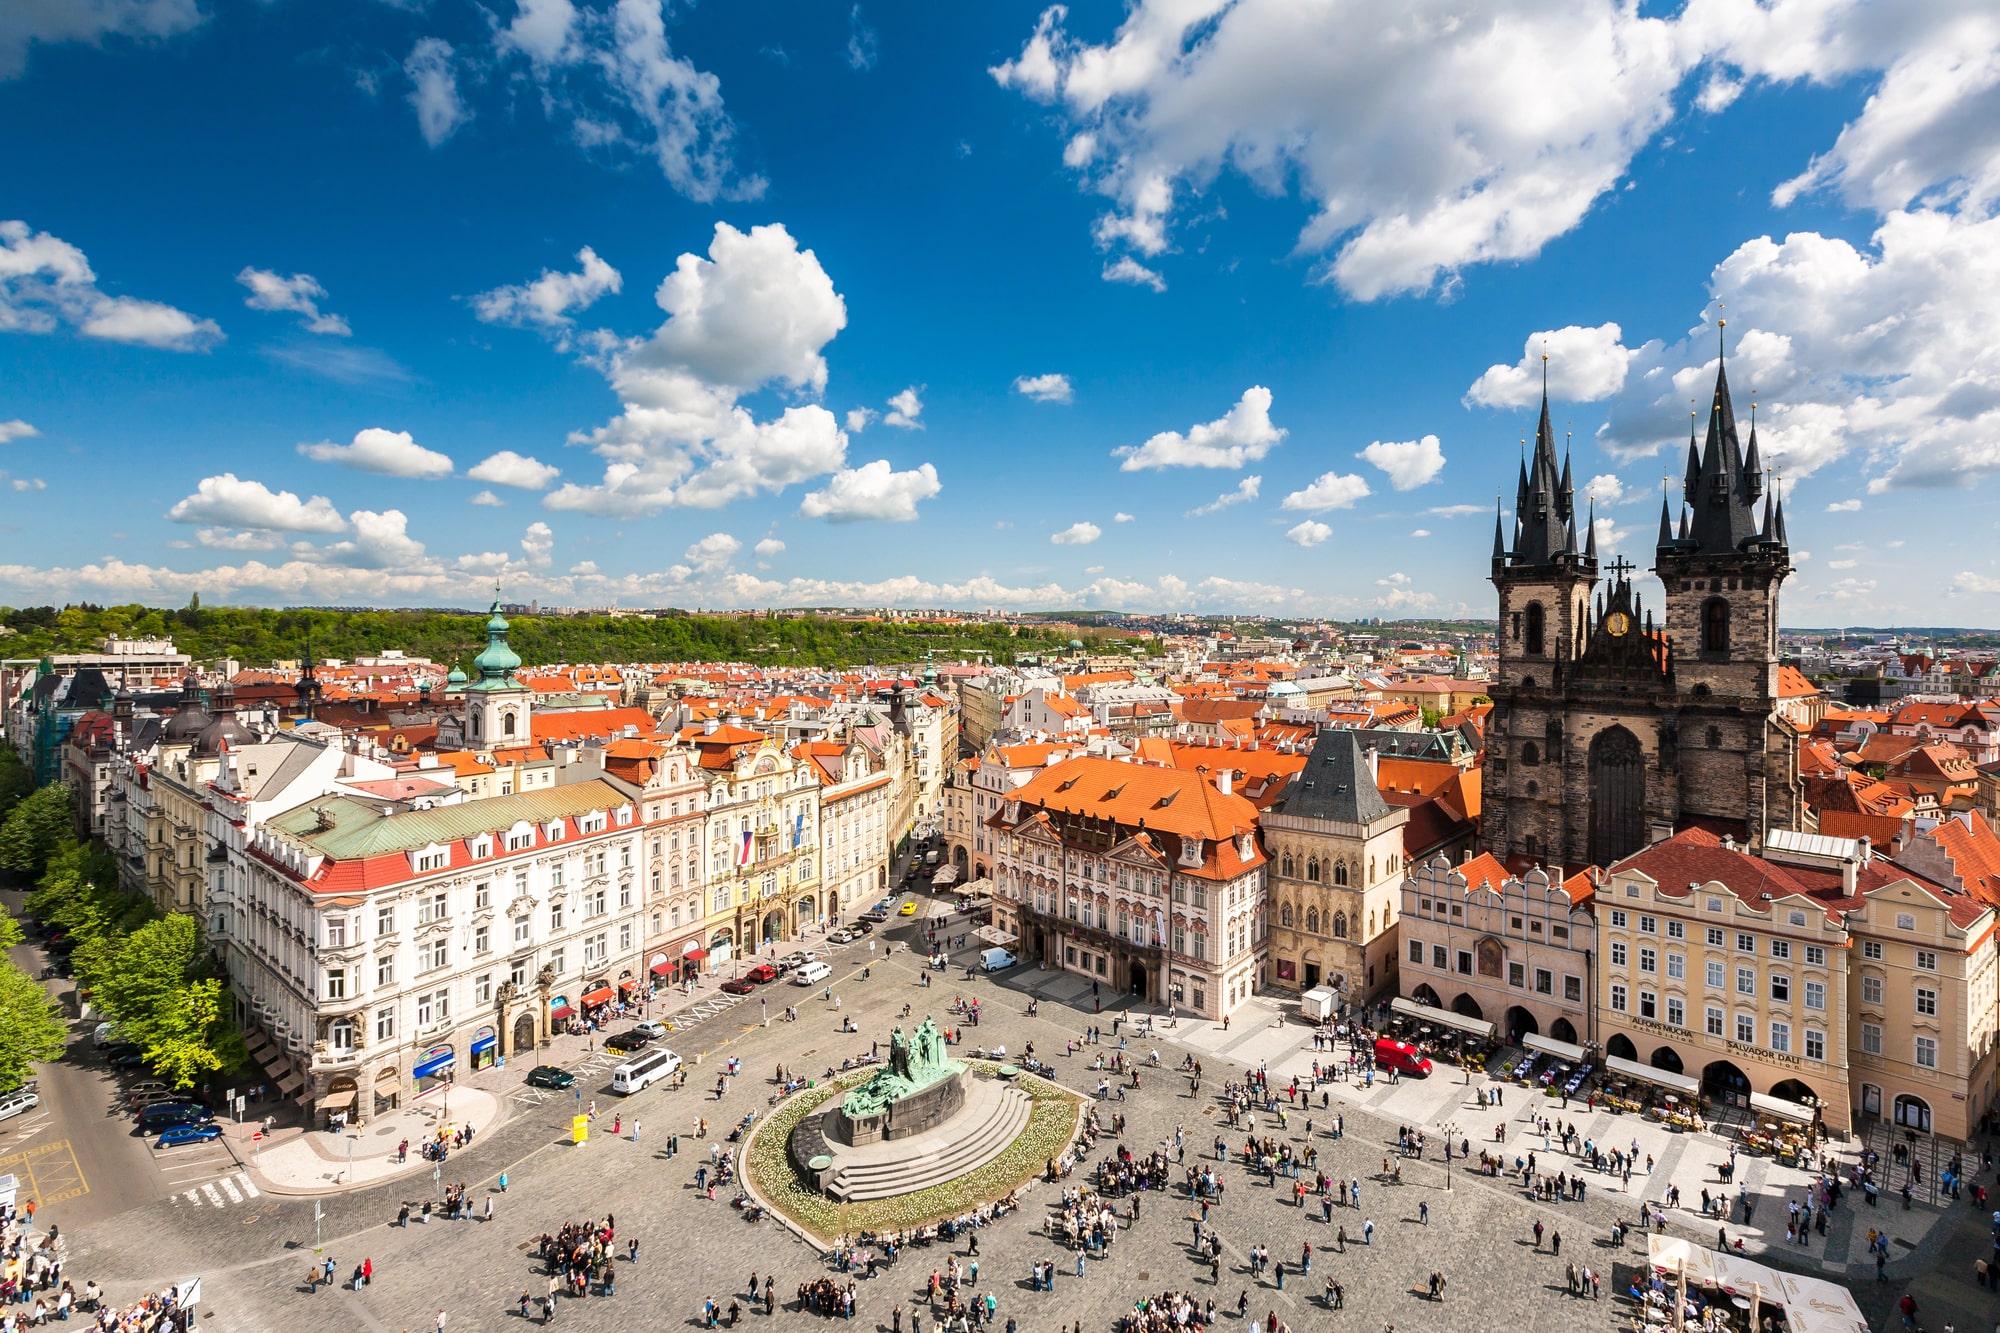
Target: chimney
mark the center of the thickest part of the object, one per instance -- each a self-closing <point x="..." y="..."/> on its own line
<point x="1850" y="875"/>
<point x="1224" y="780"/>
<point x="708" y="727"/>
<point x="1375" y="765"/>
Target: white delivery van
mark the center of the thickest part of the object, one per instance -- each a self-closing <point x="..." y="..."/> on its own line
<point x="811" y="974"/>
<point x="997" y="960"/>
<point x="649" y="1068"/>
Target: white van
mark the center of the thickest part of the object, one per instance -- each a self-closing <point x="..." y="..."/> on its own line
<point x="811" y="974"/>
<point x="649" y="1068"/>
<point x="997" y="960"/>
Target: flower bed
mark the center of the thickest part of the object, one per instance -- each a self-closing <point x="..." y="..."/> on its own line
<point x="1051" y="1124"/>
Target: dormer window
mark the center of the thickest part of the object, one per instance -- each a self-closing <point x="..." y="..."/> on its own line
<point x="520" y="838"/>
<point x="554" y="831"/>
<point x="427" y="859"/>
<point x="480" y="846"/>
<point x="1191" y="851"/>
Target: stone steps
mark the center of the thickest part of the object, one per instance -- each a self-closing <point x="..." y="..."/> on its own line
<point x="972" y="1146"/>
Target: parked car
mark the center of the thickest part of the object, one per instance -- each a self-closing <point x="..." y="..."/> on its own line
<point x="127" y="1057"/>
<point x="146" y="1090"/>
<point x="651" y="1029"/>
<point x="629" y="1040"/>
<point x="762" y="974"/>
<point x="14" y="1103"/>
<point x="105" y="1034"/>
<point x="182" y="1135"/>
<point x="862" y="926"/>
<point x="841" y="936"/>
<point x="812" y="974"/>
<point x="737" y="986"/>
<point x="167" y="1115"/>
<point x="797" y="959"/>
<point x="551" y="1076"/>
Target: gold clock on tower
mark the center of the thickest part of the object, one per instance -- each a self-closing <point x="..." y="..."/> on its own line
<point x="1618" y="623"/>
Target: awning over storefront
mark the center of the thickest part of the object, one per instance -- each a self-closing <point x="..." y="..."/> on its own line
<point x="1778" y="1106"/>
<point x="663" y="969"/>
<point x="1424" y="1013"/>
<point x="433" y="1067"/>
<point x="628" y="984"/>
<point x="482" y="1045"/>
<point x="1550" y="1046"/>
<point x="389" y="1086"/>
<point x="565" y="1011"/>
<point x="602" y="995"/>
<point x="694" y="953"/>
<point x="1673" y="1082"/>
<point x="289" y="1083"/>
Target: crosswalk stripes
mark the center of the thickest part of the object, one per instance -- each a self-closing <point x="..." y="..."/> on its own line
<point x="237" y="1187"/>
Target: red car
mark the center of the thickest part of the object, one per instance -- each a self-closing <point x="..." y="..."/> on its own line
<point x="761" y="974"/>
<point x="737" y="987"/>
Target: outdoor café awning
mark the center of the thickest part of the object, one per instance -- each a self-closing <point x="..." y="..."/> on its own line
<point x="980" y="888"/>
<point x="662" y="969"/>
<point x="602" y="995"/>
<point x="1424" y="1013"/>
<point x="1550" y="1046"/>
<point x="1778" y="1106"/>
<point x="695" y="954"/>
<point x="945" y="877"/>
<point x="1673" y="1082"/>
<point x="1810" y="1304"/>
<point x="995" y="935"/>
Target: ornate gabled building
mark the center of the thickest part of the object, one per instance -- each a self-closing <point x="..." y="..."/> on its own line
<point x="1609" y="731"/>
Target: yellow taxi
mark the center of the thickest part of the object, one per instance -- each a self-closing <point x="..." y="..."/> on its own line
<point x="909" y="908"/>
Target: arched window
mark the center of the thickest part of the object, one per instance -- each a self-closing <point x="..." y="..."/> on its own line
<point x="1531" y="753"/>
<point x="1536" y="630"/>
<point x="506" y="724"/>
<point x="1289" y="872"/>
<point x="1312" y="869"/>
<point x="1715" y="625"/>
<point x="1312" y="920"/>
<point x="340" y="1034"/>
<point x="1371" y="925"/>
<point x="1340" y="873"/>
<point x="1371" y="870"/>
<point x="1340" y="925"/>
<point x="1285" y="915"/>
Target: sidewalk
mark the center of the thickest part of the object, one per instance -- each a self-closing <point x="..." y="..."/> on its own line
<point x="304" y="1161"/>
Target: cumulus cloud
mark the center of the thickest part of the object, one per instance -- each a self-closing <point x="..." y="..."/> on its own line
<point x="1246" y="490"/>
<point x="712" y="552"/>
<point x="1077" y="534"/>
<point x="46" y="283"/>
<point x="388" y="453"/>
<point x="547" y="302"/>
<point x="1129" y="270"/>
<point x="1605" y="488"/>
<point x="1122" y="517"/>
<point x="16" y="429"/>
<point x="299" y="294"/>
<point x="538" y="545"/>
<point x="858" y="419"/>
<point x="1330" y="490"/>
<point x="380" y="541"/>
<point x="23" y="25"/>
<point x="1244" y="435"/>
<point x="487" y="499"/>
<point x="769" y="547"/>
<point x="872" y="491"/>
<point x="1843" y="507"/>
<point x="607" y="73"/>
<point x="1421" y="532"/>
<point x="1309" y="533"/>
<point x="905" y="409"/>
<point x="225" y="501"/>
<point x="756" y="311"/>
<point x="1584" y="365"/>
<point x="1045" y="388"/>
<point x="1407" y="463"/>
<point x="433" y="74"/>
<point x="508" y="468"/>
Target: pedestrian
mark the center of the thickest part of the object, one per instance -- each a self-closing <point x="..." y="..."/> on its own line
<point x="440" y="1320"/>
<point x="635" y="1129"/>
<point x="1424" y="1212"/>
<point x="489" y="1207"/>
<point x="367" y="1271"/>
<point x="1368" y="1232"/>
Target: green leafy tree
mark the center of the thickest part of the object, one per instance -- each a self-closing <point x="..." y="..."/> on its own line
<point x="141" y="977"/>
<point x="38" y="827"/>
<point x="186" y="1038"/>
<point x="16" y="780"/>
<point x="31" y="1026"/>
<point x="10" y="931"/>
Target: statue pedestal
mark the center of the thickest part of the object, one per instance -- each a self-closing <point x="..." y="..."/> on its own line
<point x="914" y="1113"/>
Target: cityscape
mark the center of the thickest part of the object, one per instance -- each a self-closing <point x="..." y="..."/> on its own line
<point x="906" y="795"/>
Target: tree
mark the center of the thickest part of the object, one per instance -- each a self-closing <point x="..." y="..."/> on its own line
<point x="187" y="1038"/>
<point x="38" y="827"/>
<point x="147" y="968"/>
<point x="16" y="780"/>
<point x="31" y="1026"/>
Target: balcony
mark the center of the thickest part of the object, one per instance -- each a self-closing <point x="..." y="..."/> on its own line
<point x="1091" y="935"/>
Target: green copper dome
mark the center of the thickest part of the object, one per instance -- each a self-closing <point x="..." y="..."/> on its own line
<point x="454" y="677"/>
<point x="496" y="662"/>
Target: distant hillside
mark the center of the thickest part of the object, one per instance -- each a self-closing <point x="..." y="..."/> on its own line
<point x="258" y="637"/>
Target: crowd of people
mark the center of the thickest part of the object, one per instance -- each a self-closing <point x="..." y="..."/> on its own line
<point x="579" y="1259"/>
<point x="35" y="1293"/>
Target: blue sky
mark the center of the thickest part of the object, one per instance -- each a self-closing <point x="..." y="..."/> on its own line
<point x="1228" y="307"/>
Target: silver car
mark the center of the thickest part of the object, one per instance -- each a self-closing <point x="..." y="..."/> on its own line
<point x="14" y="1103"/>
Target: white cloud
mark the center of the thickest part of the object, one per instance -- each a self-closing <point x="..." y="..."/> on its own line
<point x="22" y="25"/>
<point x="1077" y="534"/>
<point x="586" y="568"/>
<point x="538" y="545"/>
<point x="1606" y="488"/>
<point x="1455" y="511"/>
<point x="1407" y="463"/>
<point x="769" y="547"/>
<point x="388" y="453"/>
<point x="1045" y="388"/>
<point x="548" y="302"/>
<point x="1246" y="490"/>
<point x="1330" y="490"/>
<point x="1967" y="581"/>
<point x="380" y="541"/>
<point x="858" y="418"/>
<point x="508" y="468"/>
<point x="223" y="539"/>
<point x="1584" y="365"/>
<point x="872" y="491"/>
<point x="1243" y="436"/>
<point x="28" y="484"/>
<point x="1129" y="270"/>
<point x="1309" y="533"/>
<point x="225" y="501"/>
<point x="46" y="282"/>
<point x="712" y="552"/>
<point x="300" y="294"/>
<point x="1421" y="532"/>
<point x="905" y="409"/>
<point x="16" y="429"/>
<point x="488" y="500"/>
<point x="433" y="76"/>
<point x="756" y="311"/>
<point x="1843" y="507"/>
<point x="610" y="75"/>
<point x="1122" y="517"/>
<point x="862" y="48"/>
<point x="1842" y="564"/>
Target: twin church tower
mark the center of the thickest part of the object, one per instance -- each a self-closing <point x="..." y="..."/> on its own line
<point x="1610" y="730"/>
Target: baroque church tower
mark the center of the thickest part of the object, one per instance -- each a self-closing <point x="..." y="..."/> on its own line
<point x="1610" y="731"/>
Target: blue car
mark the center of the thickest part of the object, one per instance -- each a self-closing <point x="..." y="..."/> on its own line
<point x="182" y="1135"/>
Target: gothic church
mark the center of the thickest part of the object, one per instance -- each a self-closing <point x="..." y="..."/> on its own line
<point x="1610" y="731"/>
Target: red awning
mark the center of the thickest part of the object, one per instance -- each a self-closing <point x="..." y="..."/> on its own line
<point x="695" y="955"/>
<point x="663" y="969"/>
<point x="628" y="983"/>
<point x="565" y="1012"/>
<point x="602" y="995"/>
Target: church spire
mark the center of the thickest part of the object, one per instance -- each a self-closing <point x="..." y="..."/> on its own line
<point x="1666" y="521"/>
<point x="1545" y="511"/>
<point x="1499" y="546"/>
<point x="1724" y="499"/>
<point x="1590" y="541"/>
